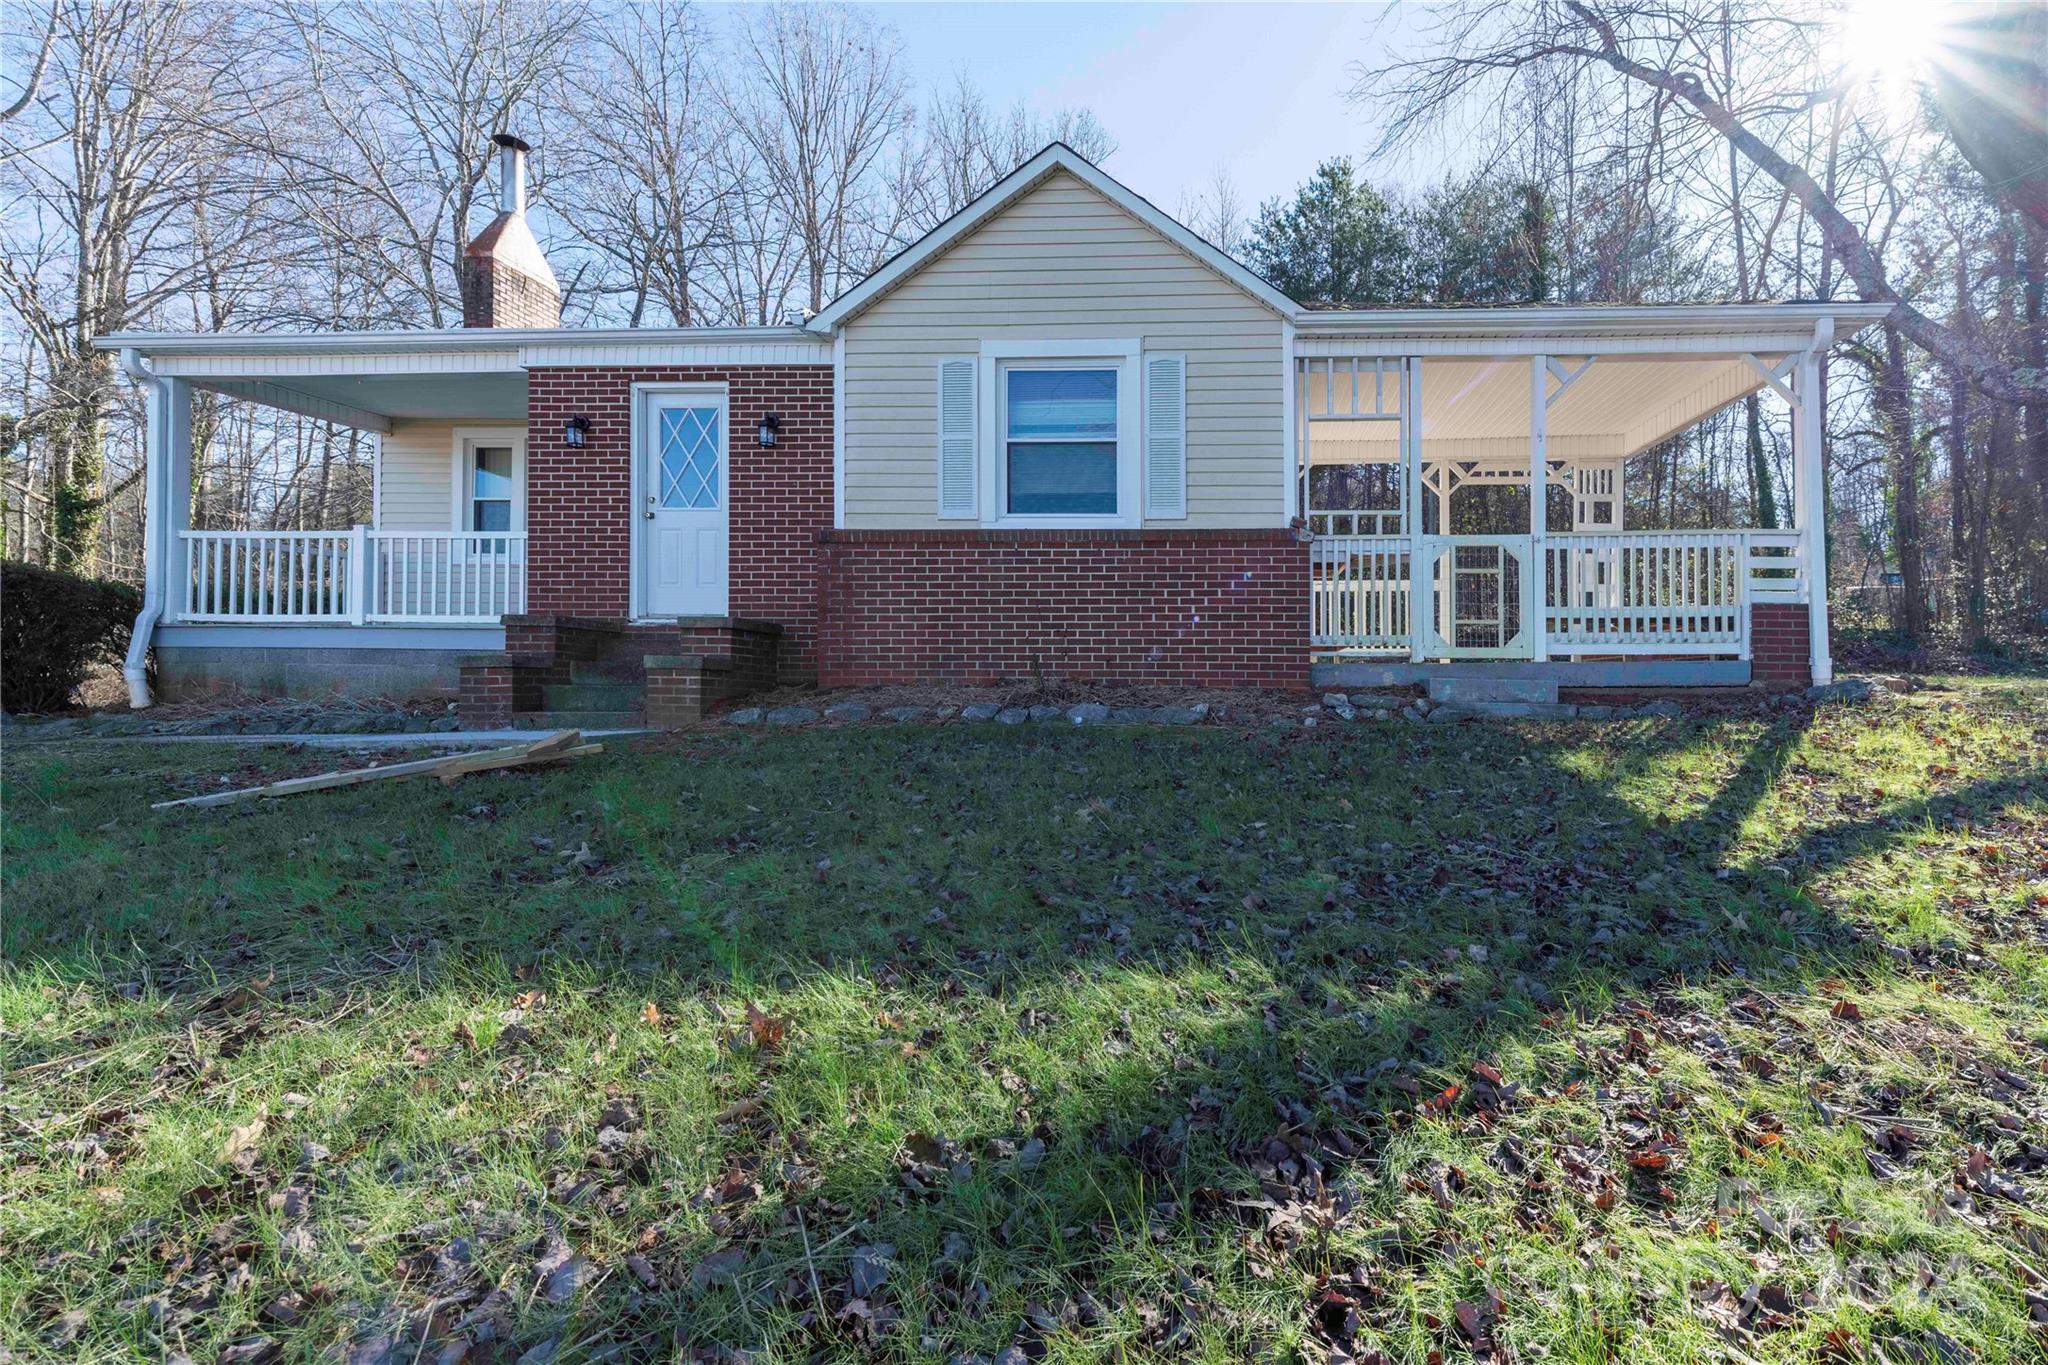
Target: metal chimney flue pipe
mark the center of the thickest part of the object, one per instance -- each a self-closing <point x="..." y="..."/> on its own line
<point x="511" y="173"/>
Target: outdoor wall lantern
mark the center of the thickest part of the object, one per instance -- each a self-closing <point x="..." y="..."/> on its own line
<point x="770" y="425"/>
<point x="575" y="432"/>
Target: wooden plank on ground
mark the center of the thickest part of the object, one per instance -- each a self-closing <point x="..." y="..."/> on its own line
<point x="549" y="748"/>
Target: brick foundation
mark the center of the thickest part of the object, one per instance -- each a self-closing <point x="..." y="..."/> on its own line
<point x="1194" y="607"/>
<point x="1780" y="649"/>
<point x="579" y="517"/>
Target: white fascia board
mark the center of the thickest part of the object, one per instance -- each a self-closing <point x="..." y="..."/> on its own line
<point x="1056" y="157"/>
<point x="803" y="349"/>
<point x="507" y="340"/>
<point x="1534" y="329"/>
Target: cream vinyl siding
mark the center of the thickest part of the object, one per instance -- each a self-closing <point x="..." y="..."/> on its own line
<point x="1062" y="262"/>
<point x="415" y="479"/>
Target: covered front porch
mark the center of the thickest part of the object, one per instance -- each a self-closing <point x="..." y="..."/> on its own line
<point x="383" y="606"/>
<point x="1465" y="484"/>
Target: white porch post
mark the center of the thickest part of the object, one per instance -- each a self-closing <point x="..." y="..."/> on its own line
<point x="166" y="512"/>
<point x="174" y="492"/>
<point x="1809" y="507"/>
<point x="1535" y="571"/>
<point x="1411" y="503"/>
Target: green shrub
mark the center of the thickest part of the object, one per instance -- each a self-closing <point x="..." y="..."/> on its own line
<point x="54" y="628"/>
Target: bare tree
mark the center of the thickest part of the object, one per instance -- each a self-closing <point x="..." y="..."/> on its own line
<point x="644" y="159"/>
<point x="1217" y="213"/>
<point x="1669" y="49"/>
<point x="97" y="181"/>
<point x="823" y="103"/>
<point x="406" y="98"/>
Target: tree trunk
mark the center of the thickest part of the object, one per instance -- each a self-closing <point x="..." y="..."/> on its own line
<point x="2034" y="285"/>
<point x="77" y="506"/>
<point x="1895" y="403"/>
<point x="1763" y="494"/>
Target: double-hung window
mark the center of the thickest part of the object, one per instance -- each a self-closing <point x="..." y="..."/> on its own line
<point x="1059" y="440"/>
<point x="490" y="471"/>
<point x="490" y="488"/>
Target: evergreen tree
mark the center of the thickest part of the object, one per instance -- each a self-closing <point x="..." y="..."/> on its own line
<point x="1339" y="241"/>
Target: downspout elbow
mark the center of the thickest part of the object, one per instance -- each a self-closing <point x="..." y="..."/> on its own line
<point x="135" y="669"/>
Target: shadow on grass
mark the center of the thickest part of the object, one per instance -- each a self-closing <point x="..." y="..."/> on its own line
<point x="1243" y="967"/>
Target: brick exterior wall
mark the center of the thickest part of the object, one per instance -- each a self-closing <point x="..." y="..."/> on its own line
<point x="1779" y="646"/>
<point x="578" y="502"/>
<point x="1199" y="608"/>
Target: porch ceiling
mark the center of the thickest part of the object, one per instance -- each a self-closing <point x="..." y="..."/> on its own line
<point x="404" y="397"/>
<point x="1478" y="407"/>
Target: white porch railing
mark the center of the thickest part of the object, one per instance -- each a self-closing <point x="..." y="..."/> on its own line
<point x="1679" y="592"/>
<point x="353" y="577"/>
<point x="1358" y="592"/>
<point x="1630" y="593"/>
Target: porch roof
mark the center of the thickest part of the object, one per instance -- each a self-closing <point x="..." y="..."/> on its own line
<point x="369" y="379"/>
<point x="1637" y="375"/>
<point x="1478" y="408"/>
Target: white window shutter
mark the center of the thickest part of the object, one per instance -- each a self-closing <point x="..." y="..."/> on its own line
<point x="1166" y="436"/>
<point x="957" y="428"/>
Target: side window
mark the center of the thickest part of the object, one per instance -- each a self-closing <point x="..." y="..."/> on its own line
<point x="490" y="488"/>
<point x="1059" y="429"/>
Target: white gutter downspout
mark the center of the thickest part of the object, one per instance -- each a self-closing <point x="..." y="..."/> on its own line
<point x="156" y="449"/>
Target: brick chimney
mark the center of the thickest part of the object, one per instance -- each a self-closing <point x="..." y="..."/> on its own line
<point x="505" y="279"/>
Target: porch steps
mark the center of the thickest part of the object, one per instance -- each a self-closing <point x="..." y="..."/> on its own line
<point x="626" y="666"/>
<point x="578" y="720"/>
<point x="594" y="696"/>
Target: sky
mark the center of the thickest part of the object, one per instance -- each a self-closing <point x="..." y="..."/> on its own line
<point x="1255" y="89"/>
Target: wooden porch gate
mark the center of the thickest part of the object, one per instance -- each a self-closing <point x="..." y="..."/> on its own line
<point x="1482" y="597"/>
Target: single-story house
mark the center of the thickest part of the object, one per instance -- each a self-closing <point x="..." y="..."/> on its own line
<point x="1060" y="436"/>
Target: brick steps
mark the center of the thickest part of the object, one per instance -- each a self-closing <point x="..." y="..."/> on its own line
<point x="558" y="672"/>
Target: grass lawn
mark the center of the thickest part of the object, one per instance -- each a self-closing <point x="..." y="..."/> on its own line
<point x="1690" y="1040"/>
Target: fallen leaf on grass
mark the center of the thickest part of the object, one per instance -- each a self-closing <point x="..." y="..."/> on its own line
<point x="240" y="1150"/>
<point x="871" y="1267"/>
<point x="765" y="1031"/>
<point x="720" y="1267"/>
<point x="619" y="1113"/>
<point x="1440" y="1104"/>
<point x="568" y="1278"/>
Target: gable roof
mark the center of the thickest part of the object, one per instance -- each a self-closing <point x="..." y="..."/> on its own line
<point x="1057" y="156"/>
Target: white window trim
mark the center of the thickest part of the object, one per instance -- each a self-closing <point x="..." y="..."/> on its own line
<point x="637" y="426"/>
<point x="1120" y="354"/>
<point x="465" y="440"/>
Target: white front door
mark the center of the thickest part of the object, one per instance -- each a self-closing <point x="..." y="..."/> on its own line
<point x="685" y="486"/>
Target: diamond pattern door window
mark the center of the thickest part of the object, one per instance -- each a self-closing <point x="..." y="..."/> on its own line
<point x="689" y="447"/>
